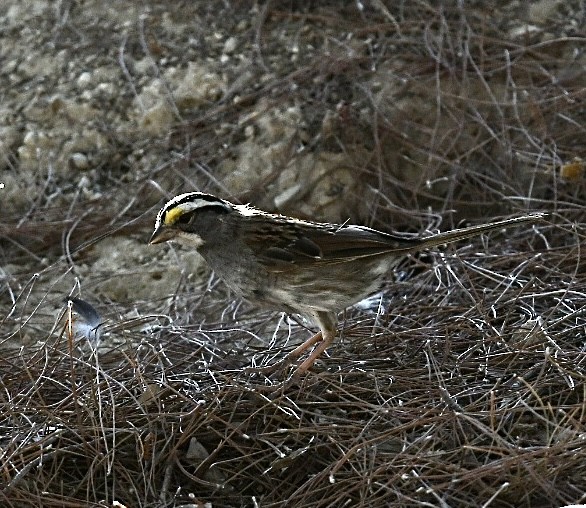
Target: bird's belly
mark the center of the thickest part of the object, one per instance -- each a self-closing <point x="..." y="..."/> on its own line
<point x="328" y="287"/>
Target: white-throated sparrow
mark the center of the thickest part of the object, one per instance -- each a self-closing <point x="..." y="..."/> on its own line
<point x="303" y="267"/>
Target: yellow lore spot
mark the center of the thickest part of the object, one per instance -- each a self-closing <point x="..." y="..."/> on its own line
<point x="172" y="215"/>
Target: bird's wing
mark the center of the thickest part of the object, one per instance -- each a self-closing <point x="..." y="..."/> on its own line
<point x="302" y="244"/>
<point x="284" y="243"/>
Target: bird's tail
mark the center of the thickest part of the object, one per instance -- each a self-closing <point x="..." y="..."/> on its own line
<point x="462" y="233"/>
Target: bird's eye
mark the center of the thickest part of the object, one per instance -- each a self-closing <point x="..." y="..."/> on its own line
<point x="186" y="218"/>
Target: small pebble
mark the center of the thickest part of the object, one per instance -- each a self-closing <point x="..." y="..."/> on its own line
<point x="230" y="45"/>
<point x="80" y="161"/>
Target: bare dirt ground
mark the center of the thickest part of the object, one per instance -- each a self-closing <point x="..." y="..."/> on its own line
<point x="462" y="384"/>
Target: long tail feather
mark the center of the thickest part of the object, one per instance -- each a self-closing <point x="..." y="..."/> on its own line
<point x="460" y="234"/>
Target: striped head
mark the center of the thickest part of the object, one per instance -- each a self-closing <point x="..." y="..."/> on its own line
<point x="175" y="221"/>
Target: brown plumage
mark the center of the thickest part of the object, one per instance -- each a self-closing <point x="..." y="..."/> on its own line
<point x="310" y="268"/>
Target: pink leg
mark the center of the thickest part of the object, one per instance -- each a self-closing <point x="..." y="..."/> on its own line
<point x="317" y="352"/>
<point x="327" y="322"/>
<point x="305" y="346"/>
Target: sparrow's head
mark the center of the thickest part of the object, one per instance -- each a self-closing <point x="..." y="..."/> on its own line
<point x="185" y="216"/>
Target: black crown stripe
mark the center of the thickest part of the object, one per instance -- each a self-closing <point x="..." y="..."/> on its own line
<point x="193" y="196"/>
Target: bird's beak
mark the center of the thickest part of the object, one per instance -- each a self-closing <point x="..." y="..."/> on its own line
<point x="162" y="234"/>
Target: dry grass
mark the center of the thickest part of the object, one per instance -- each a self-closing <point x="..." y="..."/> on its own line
<point x="468" y="390"/>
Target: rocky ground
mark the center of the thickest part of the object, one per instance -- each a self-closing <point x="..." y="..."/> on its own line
<point x="109" y="109"/>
